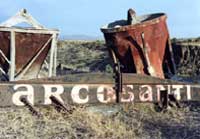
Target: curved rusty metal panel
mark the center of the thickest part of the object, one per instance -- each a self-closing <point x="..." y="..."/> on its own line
<point x="140" y="47"/>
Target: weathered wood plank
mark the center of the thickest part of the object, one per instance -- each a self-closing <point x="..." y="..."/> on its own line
<point x="12" y="56"/>
<point x="39" y="93"/>
<point x="29" y="30"/>
<point x="53" y="45"/>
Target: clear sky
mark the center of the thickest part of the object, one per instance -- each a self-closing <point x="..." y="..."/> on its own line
<point x="86" y="17"/>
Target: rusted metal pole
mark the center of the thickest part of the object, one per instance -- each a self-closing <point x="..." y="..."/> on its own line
<point x="164" y="99"/>
<point x="118" y="83"/>
<point x="59" y="105"/>
<point x="118" y="76"/>
<point x="30" y="107"/>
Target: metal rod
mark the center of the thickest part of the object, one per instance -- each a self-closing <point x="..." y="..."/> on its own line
<point x="4" y="74"/>
<point x="30" y="107"/>
<point x="118" y="76"/>
<point x="164" y="99"/>
<point x="59" y="105"/>
<point x="4" y="56"/>
<point x="3" y="71"/>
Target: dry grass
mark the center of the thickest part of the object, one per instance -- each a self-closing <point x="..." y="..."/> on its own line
<point x="126" y="121"/>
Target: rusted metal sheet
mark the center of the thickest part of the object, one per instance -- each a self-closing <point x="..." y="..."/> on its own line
<point x="27" y="46"/>
<point x="40" y="93"/>
<point x="142" y="46"/>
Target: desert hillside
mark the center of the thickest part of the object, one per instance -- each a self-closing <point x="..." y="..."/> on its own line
<point x="92" y="56"/>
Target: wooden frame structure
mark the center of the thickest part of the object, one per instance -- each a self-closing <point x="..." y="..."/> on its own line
<point x="37" y="28"/>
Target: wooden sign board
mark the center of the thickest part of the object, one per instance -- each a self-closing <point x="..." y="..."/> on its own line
<point x="39" y="93"/>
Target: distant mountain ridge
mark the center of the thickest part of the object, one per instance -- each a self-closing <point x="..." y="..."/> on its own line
<point x="80" y="37"/>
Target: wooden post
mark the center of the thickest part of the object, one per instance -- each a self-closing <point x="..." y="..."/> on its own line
<point x="12" y="56"/>
<point x="55" y="58"/>
<point x="53" y="44"/>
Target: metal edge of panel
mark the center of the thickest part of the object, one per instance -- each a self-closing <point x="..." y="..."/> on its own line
<point x="161" y="16"/>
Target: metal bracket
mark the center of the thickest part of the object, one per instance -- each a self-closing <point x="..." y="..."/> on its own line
<point x="118" y="83"/>
<point x="117" y="76"/>
<point x="131" y="19"/>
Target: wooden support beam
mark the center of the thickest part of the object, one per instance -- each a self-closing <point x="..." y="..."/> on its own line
<point x="46" y="63"/>
<point x="24" y="30"/>
<point x="12" y="56"/>
<point x="4" y="56"/>
<point x="172" y="56"/>
<point x="53" y="45"/>
<point x="55" y="58"/>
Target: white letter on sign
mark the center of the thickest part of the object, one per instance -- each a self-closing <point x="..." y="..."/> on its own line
<point x="146" y="95"/>
<point x="177" y="92"/>
<point x="189" y="97"/>
<point x="105" y="91"/>
<point x="131" y="95"/>
<point x="48" y="90"/>
<point x="76" y="92"/>
<point x="28" y="92"/>
<point x="159" y="88"/>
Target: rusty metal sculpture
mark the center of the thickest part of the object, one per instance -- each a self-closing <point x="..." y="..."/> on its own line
<point x="141" y="44"/>
<point x="23" y="50"/>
